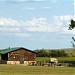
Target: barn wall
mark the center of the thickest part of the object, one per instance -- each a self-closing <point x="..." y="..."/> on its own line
<point x="15" y="55"/>
<point x="25" y="62"/>
<point x="13" y="62"/>
<point x="29" y="62"/>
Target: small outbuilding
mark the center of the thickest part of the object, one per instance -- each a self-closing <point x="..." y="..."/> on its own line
<point x="18" y="55"/>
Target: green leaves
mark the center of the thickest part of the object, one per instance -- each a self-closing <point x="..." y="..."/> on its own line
<point x="72" y="25"/>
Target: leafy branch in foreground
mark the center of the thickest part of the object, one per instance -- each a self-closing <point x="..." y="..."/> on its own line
<point x="72" y="26"/>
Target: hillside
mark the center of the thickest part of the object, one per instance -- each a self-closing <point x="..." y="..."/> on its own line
<point x="55" y="52"/>
<point x="69" y="51"/>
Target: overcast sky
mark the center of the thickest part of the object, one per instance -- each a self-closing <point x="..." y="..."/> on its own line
<point x="36" y="24"/>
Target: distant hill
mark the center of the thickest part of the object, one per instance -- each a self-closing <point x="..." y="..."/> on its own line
<point x="69" y="51"/>
<point x="56" y="52"/>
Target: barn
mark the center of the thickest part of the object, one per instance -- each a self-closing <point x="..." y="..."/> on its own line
<point x="18" y="55"/>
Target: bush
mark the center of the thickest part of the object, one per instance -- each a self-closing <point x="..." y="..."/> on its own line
<point x="50" y="53"/>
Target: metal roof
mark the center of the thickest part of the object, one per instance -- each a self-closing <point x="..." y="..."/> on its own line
<point x="4" y="51"/>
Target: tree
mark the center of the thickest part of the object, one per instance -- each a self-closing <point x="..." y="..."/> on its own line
<point x="73" y="45"/>
<point x="50" y="53"/>
<point x="72" y="26"/>
<point x="58" y="53"/>
<point x="42" y="53"/>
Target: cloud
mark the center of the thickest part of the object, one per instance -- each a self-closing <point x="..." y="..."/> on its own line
<point x="14" y="1"/>
<point x="38" y="0"/>
<point x="64" y="17"/>
<point x="66" y="31"/>
<point x="39" y="25"/>
<point x="26" y="0"/>
<point x="8" y="22"/>
<point x="63" y="23"/>
<point x="10" y="29"/>
<point x="74" y="17"/>
<point x="59" y="24"/>
<point x="29" y="8"/>
<point x="18" y="35"/>
<point x="22" y="35"/>
<point x="21" y="1"/>
<point x="74" y="3"/>
<point x="47" y="7"/>
<point x="54" y="1"/>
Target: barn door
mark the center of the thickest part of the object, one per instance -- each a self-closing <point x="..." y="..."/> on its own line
<point x="21" y="59"/>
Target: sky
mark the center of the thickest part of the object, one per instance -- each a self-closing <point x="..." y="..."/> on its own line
<point x="36" y="24"/>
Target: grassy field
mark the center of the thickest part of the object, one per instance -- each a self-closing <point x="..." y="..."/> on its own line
<point x="60" y="59"/>
<point x="35" y="70"/>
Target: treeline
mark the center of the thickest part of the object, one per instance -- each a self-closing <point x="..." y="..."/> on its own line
<point x="50" y="53"/>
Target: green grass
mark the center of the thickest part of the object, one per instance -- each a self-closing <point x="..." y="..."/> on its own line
<point x="35" y="70"/>
<point x="60" y="59"/>
<point x="46" y="59"/>
<point x="68" y="59"/>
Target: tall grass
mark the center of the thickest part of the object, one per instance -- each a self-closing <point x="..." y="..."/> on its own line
<point x="35" y="70"/>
